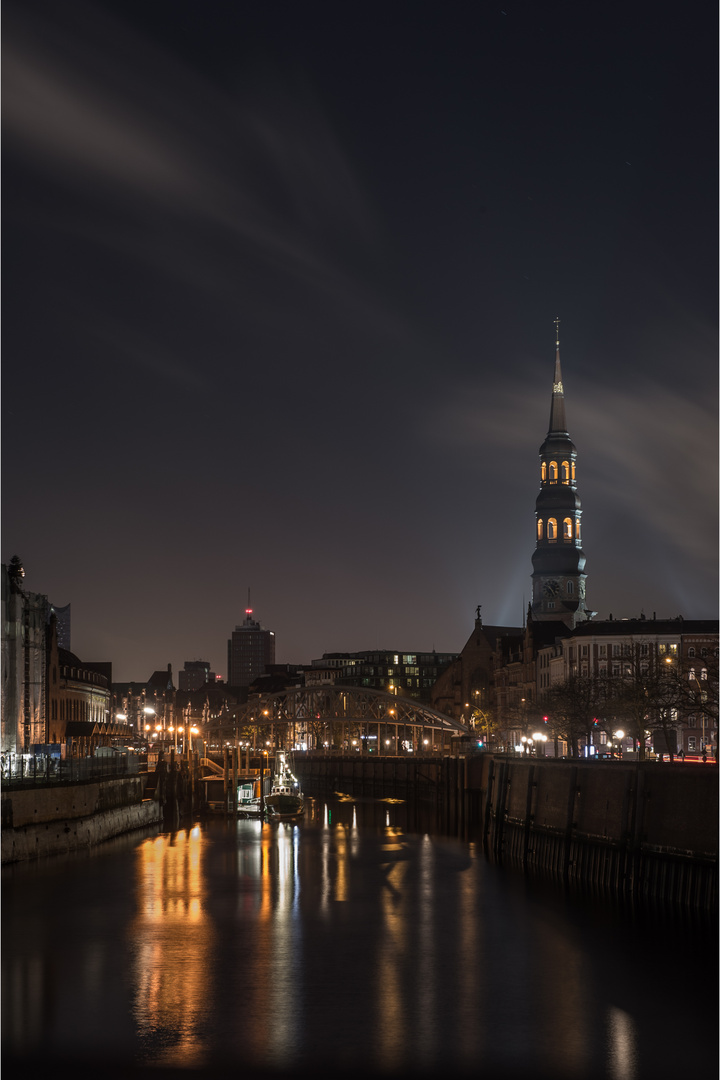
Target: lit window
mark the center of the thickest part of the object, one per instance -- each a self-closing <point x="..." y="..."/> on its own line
<point x="577" y="528"/>
<point x="703" y="673"/>
<point x="543" y="472"/>
<point x="567" y="529"/>
<point x="553" y="472"/>
<point x="552" y="529"/>
<point x="691" y="674"/>
<point x="565" y="470"/>
<point x="572" y="467"/>
<point x="540" y="529"/>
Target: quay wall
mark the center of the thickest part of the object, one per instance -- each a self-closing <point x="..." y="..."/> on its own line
<point x="625" y="828"/>
<point x="43" y="821"/>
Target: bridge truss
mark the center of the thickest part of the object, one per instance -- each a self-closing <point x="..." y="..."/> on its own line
<point x="339" y="718"/>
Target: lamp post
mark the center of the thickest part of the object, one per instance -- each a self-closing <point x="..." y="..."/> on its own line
<point x="148" y="711"/>
<point x="618" y="737"/>
<point x="540" y="741"/>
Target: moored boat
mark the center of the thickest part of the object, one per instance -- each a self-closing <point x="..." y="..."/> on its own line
<point x="285" y="799"/>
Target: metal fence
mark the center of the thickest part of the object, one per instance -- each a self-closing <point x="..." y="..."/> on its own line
<point x="28" y="770"/>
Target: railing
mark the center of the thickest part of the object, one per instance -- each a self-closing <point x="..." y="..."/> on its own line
<point x="29" y="770"/>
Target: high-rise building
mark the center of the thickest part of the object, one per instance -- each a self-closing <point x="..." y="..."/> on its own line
<point x="250" y="650"/>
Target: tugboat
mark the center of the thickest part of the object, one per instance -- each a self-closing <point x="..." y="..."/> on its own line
<point x="285" y="799"/>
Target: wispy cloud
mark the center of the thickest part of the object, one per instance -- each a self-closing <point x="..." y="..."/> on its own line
<point x="261" y="167"/>
<point x="633" y="443"/>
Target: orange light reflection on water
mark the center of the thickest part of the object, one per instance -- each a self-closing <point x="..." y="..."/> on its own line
<point x="172" y="939"/>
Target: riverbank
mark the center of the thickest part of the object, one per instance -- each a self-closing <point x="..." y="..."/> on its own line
<point x="53" y="820"/>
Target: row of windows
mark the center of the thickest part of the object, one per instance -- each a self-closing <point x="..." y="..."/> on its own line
<point x="410" y="683"/>
<point x="550" y="472"/>
<point x="626" y="669"/>
<point x="367" y="669"/>
<point x="552" y="529"/>
<point x="644" y="649"/>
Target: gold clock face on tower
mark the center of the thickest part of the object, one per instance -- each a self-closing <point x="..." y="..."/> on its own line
<point x="551" y="589"/>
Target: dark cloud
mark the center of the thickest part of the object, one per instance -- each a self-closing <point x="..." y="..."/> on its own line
<point x="280" y="313"/>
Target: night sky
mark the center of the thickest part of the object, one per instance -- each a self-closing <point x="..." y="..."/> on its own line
<point x="279" y="289"/>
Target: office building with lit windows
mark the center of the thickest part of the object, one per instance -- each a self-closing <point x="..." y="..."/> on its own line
<point x="251" y="650"/>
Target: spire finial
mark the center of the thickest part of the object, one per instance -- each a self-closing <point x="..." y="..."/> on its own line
<point x="556" y="320"/>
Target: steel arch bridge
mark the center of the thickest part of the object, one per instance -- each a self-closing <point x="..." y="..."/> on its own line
<point x="338" y="716"/>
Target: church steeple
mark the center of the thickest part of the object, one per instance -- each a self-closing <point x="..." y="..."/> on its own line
<point x="558" y="577"/>
<point x="557" y="406"/>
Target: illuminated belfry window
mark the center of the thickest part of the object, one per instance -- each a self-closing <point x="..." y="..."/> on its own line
<point x="577" y="528"/>
<point x="572" y="468"/>
<point x="543" y="472"/>
<point x="565" y="471"/>
<point x="540" y="529"/>
<point x="553" y="472"/>
<point x="567" y="529"/>
<point x="552" y="529"/>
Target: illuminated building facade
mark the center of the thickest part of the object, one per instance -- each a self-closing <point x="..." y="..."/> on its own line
<point x="405" y="674"/>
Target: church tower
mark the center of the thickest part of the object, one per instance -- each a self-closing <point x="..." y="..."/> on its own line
<point x="558" y="578"/>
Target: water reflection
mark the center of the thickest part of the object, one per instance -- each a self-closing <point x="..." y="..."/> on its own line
<point x="171" y="940"/>
<point x="621" y="1044"/>
<point x="342" y="943"/>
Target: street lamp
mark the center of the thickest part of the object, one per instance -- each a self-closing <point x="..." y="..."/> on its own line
<point x="541" y="739"/>
<point x="148" y="713"/>
<point x="618" y="736"/>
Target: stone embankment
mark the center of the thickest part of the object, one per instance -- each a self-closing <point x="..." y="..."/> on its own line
<point x="630" y="829"/>
<point x="52" y="820"/>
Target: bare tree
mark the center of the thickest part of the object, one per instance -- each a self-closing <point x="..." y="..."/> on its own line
<point x="572" y="708"/>
<point x="647" y="693"/>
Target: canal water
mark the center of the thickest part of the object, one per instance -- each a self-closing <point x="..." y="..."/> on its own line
<point x="345" y="945"/>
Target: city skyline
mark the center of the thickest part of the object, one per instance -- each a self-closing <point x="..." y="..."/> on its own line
<point x="279" y="311"/>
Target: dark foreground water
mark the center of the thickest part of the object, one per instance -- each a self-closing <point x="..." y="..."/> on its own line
<point x="342" y="945"/>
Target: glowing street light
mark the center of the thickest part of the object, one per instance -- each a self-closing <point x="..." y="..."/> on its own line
<point x="618" y="736"/>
